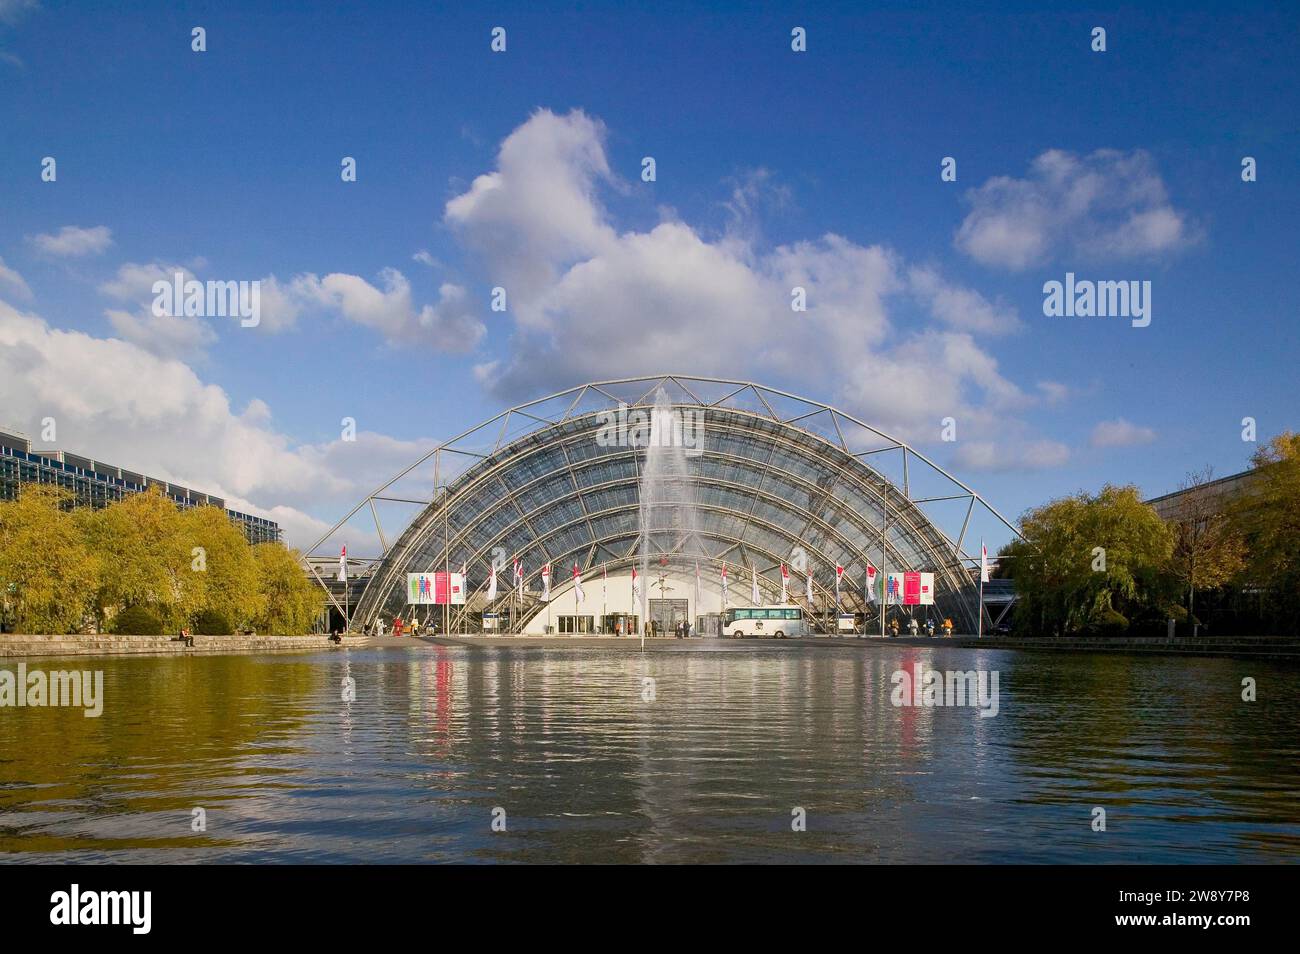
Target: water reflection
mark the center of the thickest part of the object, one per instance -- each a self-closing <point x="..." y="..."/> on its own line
<point x="738" y="736"/>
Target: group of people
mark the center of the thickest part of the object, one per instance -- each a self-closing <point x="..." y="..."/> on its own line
<point x="409" y="627"/>
<point x="681" y="629"/>
<point x="914" y="627"/>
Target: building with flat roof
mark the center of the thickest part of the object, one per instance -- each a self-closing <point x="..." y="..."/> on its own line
<point x="1217" y="494"/>
<point x="94" y="483"/>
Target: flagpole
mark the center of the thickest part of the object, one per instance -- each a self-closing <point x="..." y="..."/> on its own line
<point x="984" y="562"/>
<point x="884" y="562"/>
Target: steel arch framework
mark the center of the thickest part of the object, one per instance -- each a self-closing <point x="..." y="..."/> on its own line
<point x="775" y="472"/>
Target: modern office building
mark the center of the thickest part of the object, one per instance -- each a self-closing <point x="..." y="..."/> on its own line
<point x="1213" y="495"/>
<point x="94" y="483"/>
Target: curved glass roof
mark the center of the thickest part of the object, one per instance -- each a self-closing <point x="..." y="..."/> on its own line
<point x="763" y="484"/>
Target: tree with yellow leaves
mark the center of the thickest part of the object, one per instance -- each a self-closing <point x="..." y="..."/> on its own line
<point x="223" y="572"/>
<point x="290" y="600"/>
<point x="48" y="576"/>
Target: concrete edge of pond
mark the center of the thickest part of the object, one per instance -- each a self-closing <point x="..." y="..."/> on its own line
<point x="1250" y="647"/>
<point x="23" y="645"/>
<point x="1254" y="647"/>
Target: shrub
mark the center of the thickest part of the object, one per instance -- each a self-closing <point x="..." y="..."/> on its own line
<point x="212" y="623"/>
<point x="138" y="621"/>
<point x="1107" y="622"/>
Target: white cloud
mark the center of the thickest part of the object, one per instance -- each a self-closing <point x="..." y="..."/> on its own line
<point x="962" y="308"/>
<point x="134" y="282"/>
<point x="1106" y="205"/>
<point x="538" y="211"/>
<point x="1011" y="455"/>
<point x="590" y="301"/>
<point x="1120" y="433"/>
<point x="12" y="280"/>
<point x="12" y="10"/>
<point x="162" y="335"/>
<point x="1054" y="392"/>
<point x="283" y="303"/>
<point x="72" y="241"/>
<point x="450" y="325"/>
<point x="154" y="415"/>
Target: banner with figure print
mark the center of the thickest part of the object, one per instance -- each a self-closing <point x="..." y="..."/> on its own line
<point x="435" y="589"/>
<point x="910" y="589"/>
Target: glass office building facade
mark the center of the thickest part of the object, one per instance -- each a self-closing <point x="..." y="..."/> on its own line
<point x="94" y="483"/>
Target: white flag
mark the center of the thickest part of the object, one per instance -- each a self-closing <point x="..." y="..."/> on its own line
<point x="753" y="591"/>
<point x="577" y="585"/>
<point x="636" y="586"/>
<point x="343" y="564"/>
<point x="839" y="575"/>
<point x="984" y="563"/>
<point x="519" y="579"/>
<point x="546" y="582"/>
<point x="785" y="583"/>
<point x="724" y="586"/>
<point x="492" y="583"/>
<point x="808" y="590"/>
<point x="872" y="573"/>
<point x="699" y="591"/>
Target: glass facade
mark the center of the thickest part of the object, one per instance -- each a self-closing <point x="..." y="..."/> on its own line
<point x="95" y="484"/>
<point x="761" y="487"/>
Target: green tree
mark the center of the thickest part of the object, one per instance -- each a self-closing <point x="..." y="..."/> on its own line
<point x="224" y="577"/>
<point x="290" y="600"/>
<point x="143" y="557"/>
<point x="1269" y="518"/>
<point x="1087" y="556"/>
<point x="48" y="576"/>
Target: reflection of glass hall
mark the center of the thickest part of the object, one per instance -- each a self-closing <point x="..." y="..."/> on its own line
<point x="778" y="479"/>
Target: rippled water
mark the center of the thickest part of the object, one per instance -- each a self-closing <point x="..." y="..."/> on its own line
<point x="738" y="736"/>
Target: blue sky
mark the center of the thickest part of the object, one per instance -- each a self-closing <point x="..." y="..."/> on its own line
<point x="773" y="167"/>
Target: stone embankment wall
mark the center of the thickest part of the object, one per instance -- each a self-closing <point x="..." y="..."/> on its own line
<point x="104" y="645"/>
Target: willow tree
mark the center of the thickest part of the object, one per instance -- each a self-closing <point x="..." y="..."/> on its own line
<point x="1086" y="556"/>
<point x="223" y="573"/>
<point x="290" y="601"/>
<point x="48" y="576"/>
<point x="145" y="559"/>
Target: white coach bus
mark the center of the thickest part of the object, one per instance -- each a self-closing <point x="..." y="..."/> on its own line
<point x="779" y="621"/>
